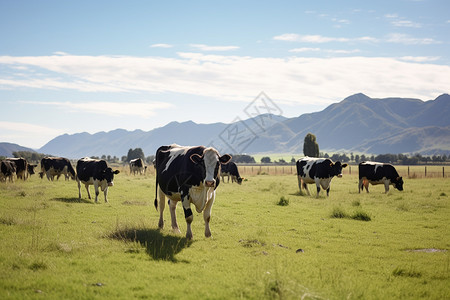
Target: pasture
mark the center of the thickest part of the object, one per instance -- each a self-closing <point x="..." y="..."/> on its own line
<point x="268" y="242"/>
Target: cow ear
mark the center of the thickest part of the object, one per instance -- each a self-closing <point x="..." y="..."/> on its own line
<point x="344" y="165"/>
<point x="224" y="159"/>
<point x="196" y="158"/>
<point x="116" y="172"/>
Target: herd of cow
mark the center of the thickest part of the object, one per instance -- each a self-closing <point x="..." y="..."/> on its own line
<point x="190" y="175"/>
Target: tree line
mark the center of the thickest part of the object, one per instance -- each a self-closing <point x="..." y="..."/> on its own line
<point x="311" y="149"/>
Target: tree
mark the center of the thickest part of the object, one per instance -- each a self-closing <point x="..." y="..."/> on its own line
<point x="265" y="160"/>
<point x="310" y="146"/>
<point x="135" y="153"/>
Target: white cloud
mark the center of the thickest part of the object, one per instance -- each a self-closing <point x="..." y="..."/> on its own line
<point x="420" y="58"/>
<point x="406" y="23"/>
<point x="161" y="46"/>
<point x="17" y="132"/>
<point x="305" y="49"/>
<point x="409" y="40"/>
<point x="137" y="109"/>
<point x="334" y="51"/>
<point x="225" y="77"/>
<point x="315" y="39"/>
<point x="203" y="47"/>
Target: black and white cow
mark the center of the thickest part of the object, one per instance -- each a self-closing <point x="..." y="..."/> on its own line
<point x="378" y="173"/>
<point x="57" y="166"/>
<point x="319" y="171"/>
<point x="189" y="175"/>
<point x="97" y="173"/>
<point x="7" y="170"/>
<point x="21" y="166"/>
<point x="137" y="166"/>
<point x="231" y="169"/>
<point x="31" y="168"/>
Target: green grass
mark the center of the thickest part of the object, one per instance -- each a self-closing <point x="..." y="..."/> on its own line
<point x="56" y="246"/>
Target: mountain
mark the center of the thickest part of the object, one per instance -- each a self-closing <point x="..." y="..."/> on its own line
<point x="358" y="123"/>
<point x="6" y="149"/>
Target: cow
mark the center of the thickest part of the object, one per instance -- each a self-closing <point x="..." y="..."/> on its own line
<point x="319" y="171"/>
<point x="378" y="173"/>
<point x="94" y="172"/>
<point x="7" y="170"/>
<point x="231" y="169"/>
<point x="21" y="166"/>
<point x="57" y="166"/>
<point x="137" y="166"/>
<point x="31" y="168"/>
<point x="190" y="175"/>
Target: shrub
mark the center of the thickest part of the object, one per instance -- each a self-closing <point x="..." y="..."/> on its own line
<point x="361" y="216"/>
<point x="283" y="201"/>
<point x="338" y="213"/>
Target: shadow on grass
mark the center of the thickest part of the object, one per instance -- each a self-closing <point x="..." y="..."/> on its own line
<point x="157" y="245"/>
<point x="72" y="200"/>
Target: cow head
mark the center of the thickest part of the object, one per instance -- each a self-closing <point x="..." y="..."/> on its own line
<point x="336" y="168"/>
<point x="108" y="175"/>
<point x="398" y="183"/>
<point x="210" y="161"/>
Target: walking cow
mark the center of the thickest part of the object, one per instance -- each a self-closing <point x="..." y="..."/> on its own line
<point x="97" y="173"/>
<point x="189" y="175"/>
<point x="319" y="171"/>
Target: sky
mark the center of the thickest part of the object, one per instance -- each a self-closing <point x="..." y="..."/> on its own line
<point x="91" y="66"/>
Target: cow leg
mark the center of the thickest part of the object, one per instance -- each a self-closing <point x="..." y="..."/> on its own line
<point x="162" y="200"/>
<point x="87" y="189"/>
<point x="360" y="185"/>
<point x="366" y="185"/>
<point x="79" y="189"/>
<point x="328" y="192"/>
<point x="105" y="192"/>
<point x="299" y="179"/>
<point x="187" y="213"/>
<point x="207" y="213"/>
<point x="96" y="190"/>
<point x="386" y="186"/>
<point x="305" y="186"/>
<point x="173" y="216"/>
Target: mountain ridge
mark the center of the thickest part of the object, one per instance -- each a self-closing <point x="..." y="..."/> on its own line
<point x="358" y="123"/>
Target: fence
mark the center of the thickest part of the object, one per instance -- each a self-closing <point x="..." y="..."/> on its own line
<point x="429" y="171"/>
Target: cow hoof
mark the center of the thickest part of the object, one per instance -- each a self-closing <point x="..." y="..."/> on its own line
<point x="207" y="234"/>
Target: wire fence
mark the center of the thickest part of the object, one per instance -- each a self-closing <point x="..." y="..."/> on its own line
<point x="429" y="171"/>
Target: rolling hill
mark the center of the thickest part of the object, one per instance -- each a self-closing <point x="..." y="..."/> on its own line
<point x="6" y="149"/>
<point x="358" y="123"/>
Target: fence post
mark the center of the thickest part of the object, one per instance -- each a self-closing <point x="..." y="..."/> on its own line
<point x="425" y="171"/>
<point x="408" y="171"/>
<point x="443" y="173"/>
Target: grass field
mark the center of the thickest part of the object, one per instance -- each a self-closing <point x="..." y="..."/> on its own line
<point x="268" y="242"/>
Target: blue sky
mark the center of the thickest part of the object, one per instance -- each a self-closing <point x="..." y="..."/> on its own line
<point x="90" y="66"/>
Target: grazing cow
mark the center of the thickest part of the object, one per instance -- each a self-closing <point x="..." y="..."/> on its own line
<point x="231" y="169"/>
<point x="97" y="173"/>
<point x="137" y="166"/>
<point x="31" y="169"/>
<point x="57" y="166"/>
<point x="189" y="175"/>
<point x="378" y="173"/>
<point x="21" y="166"/>
<point x="7" y="170"/>
<point x="319" y="171"/>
